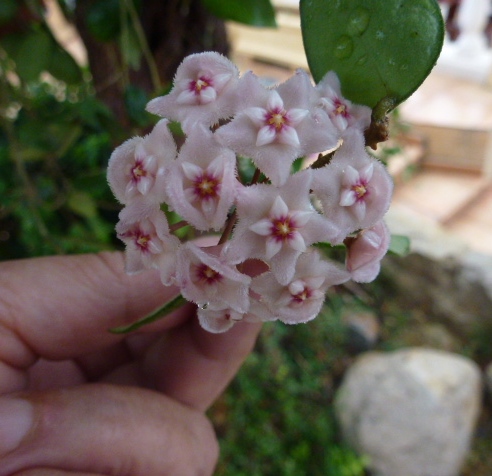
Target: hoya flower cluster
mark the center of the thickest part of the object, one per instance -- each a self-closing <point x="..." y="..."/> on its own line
<point x="276" y="219"/>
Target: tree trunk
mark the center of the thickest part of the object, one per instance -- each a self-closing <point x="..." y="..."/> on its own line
<point x="173" y="30"/>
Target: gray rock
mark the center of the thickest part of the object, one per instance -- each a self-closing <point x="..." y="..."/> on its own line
<point x="412" y="412"/>
<point x="441" y="276"/>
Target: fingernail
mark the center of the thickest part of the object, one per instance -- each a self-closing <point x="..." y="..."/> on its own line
<point x="16" y="419"/>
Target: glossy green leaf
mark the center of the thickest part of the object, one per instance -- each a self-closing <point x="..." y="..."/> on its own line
<point x="250" y="12"/>
<point x="380" y="49"/>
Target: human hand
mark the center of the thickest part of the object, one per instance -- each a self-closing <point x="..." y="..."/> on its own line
<point x="78" y="400"/>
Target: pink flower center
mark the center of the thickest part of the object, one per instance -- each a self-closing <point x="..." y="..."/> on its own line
<point x="283" y="228"/>
<point x="360" y="190"/>
<point x="201" y="83"/>
<point x="206" y="186"/>
<point x="142" y="241"/>
<point x="207" y="275"/>
<point x="138" y="171"/>
<point x="341" y="109"/>
<point x="302" y="296"/>
<point x="276" y="118"/>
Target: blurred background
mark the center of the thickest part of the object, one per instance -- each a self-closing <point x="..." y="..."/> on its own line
<point x="75" y="76"/>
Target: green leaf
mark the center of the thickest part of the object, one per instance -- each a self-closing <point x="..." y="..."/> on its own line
<point x="251" y="12"/>
<point x="82" y="204"/>
<point x="103" y="20"/>
<point x="379" y="49"/>
<point x="34" y="55"/>
<point x="130" y="47"/>
<point x="171" y="306"/>
<point x="63" y="67"/>
<point x="135" y="100"/>
<point x="399" y="245"/>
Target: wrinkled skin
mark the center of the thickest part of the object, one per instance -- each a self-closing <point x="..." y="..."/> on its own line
<point x="101" y="403"/>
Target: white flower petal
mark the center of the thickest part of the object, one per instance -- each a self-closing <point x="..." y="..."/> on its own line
<point x="208" y="95"/>
<point x="209" y="208"/>
<point x="279" y="208"/>
<point x="297" y="242"/>
<point x="274" y="101"/>
<point x="220" y="80"/>
<point x="186" y="97"/>
<point x="273" y="246"/>
<point x="360" y="210"/>
<point x="295" y="116"/>
<point x="262" y="227"/>
<point x="301" y="218"/>
<point x="257" y="115"/>
<point x="350" y="176"/>
<point x="288" y="136"/>
<point x="266" y="135"/>
<point x="216" y="167"/>
<point x="191" y="171"/>
<point x="367" y="172"/>
<point x="296" y="287"/>
<point x="144" y="185"/>
<point x="347" y="198"/>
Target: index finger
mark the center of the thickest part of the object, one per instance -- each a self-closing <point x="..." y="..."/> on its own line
<point x="62" y="307"/>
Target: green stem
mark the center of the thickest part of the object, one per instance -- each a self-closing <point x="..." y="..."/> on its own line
<point x="144" y="46"/>
<point x="162" y="312"/>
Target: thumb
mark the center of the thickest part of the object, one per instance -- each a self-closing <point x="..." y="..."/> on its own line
<point x="105" y="429"/>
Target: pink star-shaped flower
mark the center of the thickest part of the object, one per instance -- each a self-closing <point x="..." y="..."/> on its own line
<point x="278" y="224"/>
<point x="354" y="189"/>
<point x="342" y="112"/>
<point x="203" y="91"/>
<point x="301" y="299"/>
<point x="201" y="184"/>
<point x="210" y="281"/>
<point x="136" y="167"/>
<point x="145" y="231"/>
<point x="276" y="125"/>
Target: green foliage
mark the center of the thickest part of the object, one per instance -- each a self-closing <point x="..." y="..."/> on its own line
<point x="278" y="411"/>
<point x="381" y="50"/>
<point x="252" y="12"/>
<point x="399" y="245"/>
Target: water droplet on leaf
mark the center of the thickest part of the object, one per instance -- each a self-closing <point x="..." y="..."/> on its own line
<point x="358" y="21"/>
<point x="344" y="47"/>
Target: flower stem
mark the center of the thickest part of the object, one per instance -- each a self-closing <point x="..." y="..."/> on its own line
<point x="162" y="312"/>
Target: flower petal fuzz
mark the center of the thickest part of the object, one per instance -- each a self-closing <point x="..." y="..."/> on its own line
<point x="342" y="112"/>
<point x="209" y="280"/>
<point x="276" y="126"/>
<point x="354" y="189"/>
<point x="145" y="231"/>
<point x="278" y="224"/>
<point x="203" y="91"/>
<point x="201" y="184"/>
<point x="135" y="168"/>
<point x="301" y="299"/>
<point x="365" y="252"/>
